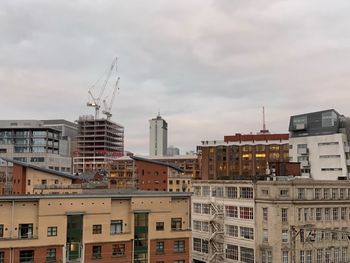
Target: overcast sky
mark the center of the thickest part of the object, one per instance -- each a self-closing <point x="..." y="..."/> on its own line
<point x="208" y="65"/>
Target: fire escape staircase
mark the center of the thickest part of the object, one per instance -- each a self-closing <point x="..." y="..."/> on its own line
<point x="216" y="239"/>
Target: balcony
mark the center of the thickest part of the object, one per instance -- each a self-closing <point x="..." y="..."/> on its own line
<point x="303" y="151"/>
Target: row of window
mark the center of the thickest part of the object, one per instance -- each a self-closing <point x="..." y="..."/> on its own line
<point x="242" y="211"/>
<point x="227" y="192"/>
<point x="320" y="214"/>
<point x="231" y="252"/>
<point x="323" y="193"/>
<point x="327" y="255"/>
<point x="28" y="256"/>
<point x="178" y="247"/>
<point x="118" y="250"/>
<point x="320" y="235"/>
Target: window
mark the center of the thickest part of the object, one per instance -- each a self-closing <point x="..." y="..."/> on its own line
<point x="25" y="231"/>
<point x="160" y="247"/>
<point x="159" y="226"/>
<point x="326" y="193"/>
<point x="28" y="182"/>
<point x="2" y="257"/>
<point x="44" y="182"/>
<point x="96" y="251"/>
<point x="344" y="253"/>
<point x="197" y="225"/>
<point x="26" y="256"/>
<point x="342" y="194"/>
<point x="51" y="255"/>
<point x="302" y="256"/>
<point x="197" y="207"/>
<point x="206" y="209"/>
<point x="317" y="193"/>
<point x="335" y="213"/>
<point x="285" y="257"/>
<point x="232" y="231"/>
<point x="247" y="232"/>
<point x="231" y="211"/>
<point x="197" y="244"/>
<point x="179" y="261"/>
<point x="284" y="192"/>
<point x="205" y="191"/>
<point x="118" y="250"/>
<point x="179" y="246"/>
<point x="97" y="229"/>
<point x="308" y="256"/>
<point x="176" y="224"/>
<point x="319" y="255"/>
<point x="265" y="214"/>
<point x="265" y="235"/>
<point x="232" y="252"/>
<point x="231" y="192"/>
<point x="116" y="227"/>
<point x="246" y="213"/>
<point x="52" y="231"/>
<point x="318" y="214"/>
<point x="266" y="256"/>
<point x="301" y="193"/>
<point x="327" y="214"/>
<point x="284" y="236"/>
<point x="205" y="226"/>
<point x="247" y="255"/>
<point x="1" y="231"/>
<point x="246" y="192"/>
<point x="217" y="191"/>
<point x="284" y="212"/>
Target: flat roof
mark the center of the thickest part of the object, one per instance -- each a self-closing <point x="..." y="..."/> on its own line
<point x="107" y="193"/>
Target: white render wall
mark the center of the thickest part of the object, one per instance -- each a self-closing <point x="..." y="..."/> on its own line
<point x="158" y="140"/>
<point x="323" y="155"/>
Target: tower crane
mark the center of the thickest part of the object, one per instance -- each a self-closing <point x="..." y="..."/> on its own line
<point x="108" y="108"/>
<point x="96" y="101"/>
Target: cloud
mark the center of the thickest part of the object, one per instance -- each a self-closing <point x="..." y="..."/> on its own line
<point x="208" y="65"/>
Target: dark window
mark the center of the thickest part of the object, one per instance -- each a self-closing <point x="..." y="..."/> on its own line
<point x="179" y="246"/>
<point x="116" y="226"/>
<point x="160" y="247"/>
<point x="28" y="182"/>
<point x="51" y="255"/>
<point x="118" y="250"/>
<point x="160" y="226"/>
<point x="25" y="231"/>
<point x="176" y="223"/>
<point x="97" y="229"/>
<point x="2" y="257"/>
<point x="52" y="231"/>
<point x="96" y="251"/>
<point x="43" y="181"/>
<point x="1" y="231"/>
<point x="26" y="256"/>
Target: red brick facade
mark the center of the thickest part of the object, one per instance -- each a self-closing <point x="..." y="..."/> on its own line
<point x="152" y="176"/>
<point x="19" y="179"/>
<point x="107" y="253"/>
<point x="170" y="254"/>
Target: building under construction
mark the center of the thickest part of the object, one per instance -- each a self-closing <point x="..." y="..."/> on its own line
<point x="99" y="141"/>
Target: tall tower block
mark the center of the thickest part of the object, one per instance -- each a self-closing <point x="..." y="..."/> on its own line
<point x="158" y="136"/>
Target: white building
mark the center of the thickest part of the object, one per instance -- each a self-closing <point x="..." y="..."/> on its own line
<point x="158" y="136"/>
<point x="320" y="142"/>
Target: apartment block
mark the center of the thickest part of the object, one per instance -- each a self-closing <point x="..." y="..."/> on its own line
<point x="95" y="227"/>
<point x="242" y="154"/>
<point x="33" y="142"/>
<point x="320" y="142"/>
<point x="146" y="174"/>
<point x="99" y="142"/>
<point x="158" y="136"/>
<point x="288" y="220"/>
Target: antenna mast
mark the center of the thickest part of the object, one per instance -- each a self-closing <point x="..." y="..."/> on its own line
<point x="264" y="130"/>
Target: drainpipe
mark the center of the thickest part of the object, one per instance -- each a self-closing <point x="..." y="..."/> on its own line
<point x="12" y="217"/>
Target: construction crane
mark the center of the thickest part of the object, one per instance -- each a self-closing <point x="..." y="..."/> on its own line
<point x="108" y="108"/>
<point x="96" y="101"/>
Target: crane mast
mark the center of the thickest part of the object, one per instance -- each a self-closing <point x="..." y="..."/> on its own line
<point x="95" y="102"/>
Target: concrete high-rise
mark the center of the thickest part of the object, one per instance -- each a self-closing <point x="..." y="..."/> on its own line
<point x="158" y="136"/>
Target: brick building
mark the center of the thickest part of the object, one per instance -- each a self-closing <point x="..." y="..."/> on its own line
<point x="96" y="227"/>
<point x="240" y="154"/>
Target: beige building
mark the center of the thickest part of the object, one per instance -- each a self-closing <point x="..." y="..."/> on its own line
<point x="95" y="227"/>
<point x="290" y="221"/>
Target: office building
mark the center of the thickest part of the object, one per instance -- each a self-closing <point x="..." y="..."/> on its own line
<point x="320" y="142"/>
<point x="158" y="136"/>
<point x="99" y="142"/>
<point x="286" y="220"/>
<point x="95" y="226"/>
<point x="172" y="150"/>
<point x="242" y="155"/>
<point x="32" y="142"/>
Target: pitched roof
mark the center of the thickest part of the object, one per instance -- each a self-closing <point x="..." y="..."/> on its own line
<point x="41" y="169"/>
<point x="136" y="158"/>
